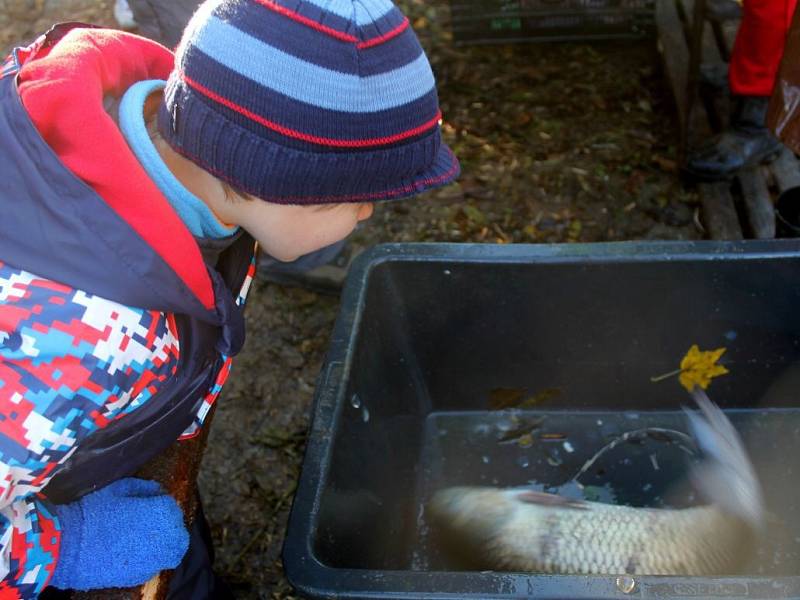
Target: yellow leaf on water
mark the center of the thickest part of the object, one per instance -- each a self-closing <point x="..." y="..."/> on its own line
<point x="698" y="367"/>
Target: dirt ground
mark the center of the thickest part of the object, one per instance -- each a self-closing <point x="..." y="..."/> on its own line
<point x="558" y="143"/>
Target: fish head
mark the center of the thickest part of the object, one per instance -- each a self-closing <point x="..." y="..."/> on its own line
<point x="479" y="511"/>
<point x="468" y="521"/>
<point x="465" y="521"/>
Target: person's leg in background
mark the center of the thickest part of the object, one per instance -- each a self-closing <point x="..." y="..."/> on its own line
<point x="160" y="20"/>
<point x="756" y="56"/>
<point x="759" y="44"/>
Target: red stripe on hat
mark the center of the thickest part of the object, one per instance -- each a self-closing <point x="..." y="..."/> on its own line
<point x="385" y="37"/>
<point x="299" y="135"/>
<point x="339" y="35"/>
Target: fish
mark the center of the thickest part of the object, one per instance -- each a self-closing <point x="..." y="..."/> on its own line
<point x="521" y="530"/>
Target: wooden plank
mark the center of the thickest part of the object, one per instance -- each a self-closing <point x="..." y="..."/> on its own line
<point x="675" y="55"/>
<point x="696" y="28"/>
<point x="697" y="120"/>
<point x="758" y="208"/>
<point x="785" y="170"/>
<point x="718" y="211"/>
<point x="710" y="59"/>
<point x="699" y="125"/>
<point x="714" y="98"/>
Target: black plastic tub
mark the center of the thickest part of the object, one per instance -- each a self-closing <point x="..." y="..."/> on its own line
<point x="428" y="334"/>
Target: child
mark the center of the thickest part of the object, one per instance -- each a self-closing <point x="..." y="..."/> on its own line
<point x="126" y="247"/>
<point x="323" y="270"/>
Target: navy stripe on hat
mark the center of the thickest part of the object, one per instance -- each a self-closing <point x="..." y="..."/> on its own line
<point x="307" y="101"/>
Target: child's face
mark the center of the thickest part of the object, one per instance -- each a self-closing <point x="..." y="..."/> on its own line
<point x="287" y="232"/>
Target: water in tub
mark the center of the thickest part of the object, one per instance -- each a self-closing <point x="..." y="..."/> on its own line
<point x="621" y="463"/>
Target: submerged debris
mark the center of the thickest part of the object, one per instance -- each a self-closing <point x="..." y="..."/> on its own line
<point x="523" y="429"/>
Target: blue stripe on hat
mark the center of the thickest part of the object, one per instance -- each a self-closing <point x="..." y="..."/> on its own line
<point x="304" y="117"/>
<point x="359" y="11"/>
<point x="307" y="44"/>
<point x="310" y="83"/>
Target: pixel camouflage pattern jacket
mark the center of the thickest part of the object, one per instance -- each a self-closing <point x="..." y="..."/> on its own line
<point x="115" y="334"/>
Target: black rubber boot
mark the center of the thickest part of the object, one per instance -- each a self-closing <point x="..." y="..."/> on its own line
<point x="745" y="143"/>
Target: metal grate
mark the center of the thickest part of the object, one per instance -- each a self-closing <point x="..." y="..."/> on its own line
<point x="507" y="21"/>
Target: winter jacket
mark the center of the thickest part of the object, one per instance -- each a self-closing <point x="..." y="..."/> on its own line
<point x="116" y="325"/>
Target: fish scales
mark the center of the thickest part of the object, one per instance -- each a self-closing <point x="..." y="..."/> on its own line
<point x="602" y="538"/>
<point x="524" y="530"/>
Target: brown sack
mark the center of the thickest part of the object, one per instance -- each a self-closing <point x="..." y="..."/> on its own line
<point x="783" y="114"/>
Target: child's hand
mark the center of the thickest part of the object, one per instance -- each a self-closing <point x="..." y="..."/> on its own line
<point x="119" y="536"/>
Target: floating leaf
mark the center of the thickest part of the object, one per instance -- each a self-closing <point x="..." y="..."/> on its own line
<point x="526" y="428"/>
<point x="525" y="441"/>
<point x="501" y="398"/>
<point x="698" y="367"/>
<point x="540" y="397"/>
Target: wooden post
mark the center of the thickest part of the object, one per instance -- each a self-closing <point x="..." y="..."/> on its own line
<point x="696" y="31"/>
<point x="176" y="470"/>
<point x="672" y="46"/>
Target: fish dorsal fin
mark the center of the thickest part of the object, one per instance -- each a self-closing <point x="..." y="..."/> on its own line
<point x="545" y="499"/>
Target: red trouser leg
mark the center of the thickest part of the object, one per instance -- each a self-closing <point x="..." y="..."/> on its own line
<point x="759" y="45"/>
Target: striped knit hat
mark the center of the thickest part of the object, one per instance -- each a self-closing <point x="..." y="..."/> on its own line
<point x="307" y="101"/>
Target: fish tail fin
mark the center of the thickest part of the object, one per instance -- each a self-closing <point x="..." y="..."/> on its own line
<point x="725" y="476"/>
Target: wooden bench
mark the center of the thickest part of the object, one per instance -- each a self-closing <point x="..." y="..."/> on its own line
<point x="691" y="46"/>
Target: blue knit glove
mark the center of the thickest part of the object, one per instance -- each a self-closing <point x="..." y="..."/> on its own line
<point x="119" y="536"/>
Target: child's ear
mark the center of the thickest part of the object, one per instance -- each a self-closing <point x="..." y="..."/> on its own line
<point x="111" y="106"/>
<point x="151" y="106"/>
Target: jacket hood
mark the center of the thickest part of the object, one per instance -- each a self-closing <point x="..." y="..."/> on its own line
<point x="77" y="206"/>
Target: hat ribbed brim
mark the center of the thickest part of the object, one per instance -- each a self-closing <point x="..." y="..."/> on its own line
<point x="283" y="175"/>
